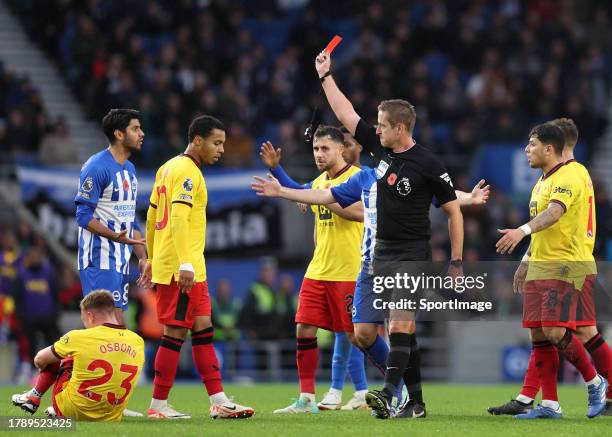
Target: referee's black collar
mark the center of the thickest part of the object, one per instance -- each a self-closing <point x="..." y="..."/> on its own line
<point x="405" y="153"/>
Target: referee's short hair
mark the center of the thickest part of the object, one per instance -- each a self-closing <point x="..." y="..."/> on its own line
<point x="548" y="133"/>
<point x="399" y="111"/>
<point x="203" y="126"/>
<point x="570" y="131"/>
<point x="334" y="133"/>
<point x="118" y="119"/>
<point x="98" y="300"/>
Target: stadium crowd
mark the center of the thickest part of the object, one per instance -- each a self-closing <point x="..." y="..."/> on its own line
<point x="477" y="71"/>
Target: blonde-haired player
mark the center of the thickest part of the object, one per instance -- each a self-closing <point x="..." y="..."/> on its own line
<point x="93" y="370"/>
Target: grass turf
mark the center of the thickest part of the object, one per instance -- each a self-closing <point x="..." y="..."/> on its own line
<point x="452" y="410"/>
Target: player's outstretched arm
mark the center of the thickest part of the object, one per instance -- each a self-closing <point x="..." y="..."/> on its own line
<point x="342" y="107"/>
<point x="271" y="187"/>
<point x="353" y="212"/>
<point x="271" y="157"/>
<point x="544" y="220"/>
<point x="479" y="195"/>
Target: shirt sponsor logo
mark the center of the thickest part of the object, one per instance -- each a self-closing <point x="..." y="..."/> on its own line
<point x="87" y="184"/>
<point x="381" y="169"/>
<point x="562" y="190"/>
<point x="403" y="186"/>
<point x="188" y="184"/>
<point x="445" y="177"/>
<point x="185" y="197"/>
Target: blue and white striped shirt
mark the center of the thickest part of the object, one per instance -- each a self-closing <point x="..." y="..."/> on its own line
<point x="361" y="186"/>
<point x="110" y="189"/>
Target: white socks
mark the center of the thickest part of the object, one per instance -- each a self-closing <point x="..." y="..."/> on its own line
<point x="158" y="404"/>
<point x="219" y="398"/>
<point x="524" y="399"/>
<point x="360" y="394"/>
<point x="335" y="392"/>
<point x="310" y="397"/>
<point x="553" y="405"/>
<point x="596" y="381"/>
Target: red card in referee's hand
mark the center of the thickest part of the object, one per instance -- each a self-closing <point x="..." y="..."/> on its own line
<point x="332" y="44"/>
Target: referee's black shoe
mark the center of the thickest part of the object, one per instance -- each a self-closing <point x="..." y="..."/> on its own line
<point x="412" y="410"/>
<point x="513" y="408"/>
<point x="379" y="403"/>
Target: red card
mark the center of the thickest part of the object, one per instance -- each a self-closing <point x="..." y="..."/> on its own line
<point x="332" y="44"/>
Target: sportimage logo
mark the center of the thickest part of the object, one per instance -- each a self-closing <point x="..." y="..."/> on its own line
<point x="445" y="177"/>
<point x="188" y="184"/>
<point x="403" y="186"/>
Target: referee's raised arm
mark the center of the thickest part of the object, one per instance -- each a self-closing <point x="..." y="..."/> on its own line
<point x="342" y="107"/>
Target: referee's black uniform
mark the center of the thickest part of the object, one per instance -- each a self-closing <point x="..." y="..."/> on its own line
<point x="406" y="184"/>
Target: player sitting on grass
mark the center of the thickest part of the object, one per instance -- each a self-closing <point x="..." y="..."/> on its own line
<point x="92" y="370"/>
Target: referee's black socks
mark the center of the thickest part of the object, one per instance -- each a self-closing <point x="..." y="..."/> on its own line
<point x="399" y="355"/>
<point x="412" y="375"/>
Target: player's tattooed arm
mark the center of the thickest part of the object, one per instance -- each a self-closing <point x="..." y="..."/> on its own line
<point x="353" y="212"/>
<point x="544" y="220"/>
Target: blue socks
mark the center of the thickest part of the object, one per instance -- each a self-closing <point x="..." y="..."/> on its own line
<point x="347" y="355"/>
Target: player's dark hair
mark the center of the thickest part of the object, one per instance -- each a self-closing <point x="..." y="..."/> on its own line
<point x="334" y="133"/>
<point x="203" y="126"/>
<point x="98" y="300"/>
<point x="570" y="131"/>
<point x="548" y="133"/>
<point x="118" y="119"/>
<point x="399" y="111"/>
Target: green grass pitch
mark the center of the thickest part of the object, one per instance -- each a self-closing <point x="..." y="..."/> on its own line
<point x="452" y="410"/>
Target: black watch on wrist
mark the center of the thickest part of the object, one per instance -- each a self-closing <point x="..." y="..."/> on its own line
<point x="322" y="78"/>
<point x="456" y="262"/>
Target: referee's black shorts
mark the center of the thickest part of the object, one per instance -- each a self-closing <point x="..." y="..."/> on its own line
<point x="399" y="259"/>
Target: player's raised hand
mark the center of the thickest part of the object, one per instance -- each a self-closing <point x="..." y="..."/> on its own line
<point x="323" y="63"/>
<point x="270" y="156"/>
<point x="519" y="277"/>
<point x="508" y="242"/>
<point x="146" y="274"/>
<point x="302" y="207"/>
<point x="480" y="193"/>
<point x="122" y="237"/>
<point x="266" y="187"/>
<point x="185" y="280"/>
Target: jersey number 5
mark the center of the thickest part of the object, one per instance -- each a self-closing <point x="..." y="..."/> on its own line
<point x="126" y="384"/>
<point x="161" y="191"/>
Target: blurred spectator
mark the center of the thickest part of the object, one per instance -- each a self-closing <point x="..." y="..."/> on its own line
<point x="259" y="307"/>
<point x="69" y="285"/>
<point x="225" y="312"/>
<point x="57" y="147"/>
<point x="286" y="305"/>
<point x="239" y="147"/>
<point x="36" y="302"/>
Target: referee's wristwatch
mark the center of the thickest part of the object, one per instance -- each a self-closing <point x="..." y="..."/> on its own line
<point x="456" y="262"/>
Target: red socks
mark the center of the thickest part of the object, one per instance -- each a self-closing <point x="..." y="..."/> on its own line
<point x="574" y="352"/>
<point x="602" y="357"/>
<point x="546" y="363"/>
<point x="531" y="384"/>
<point x="46" y="378"/>
<point x="307" y="357"/>
<point x="206" y="361"/>
<point x="166" y="363"/>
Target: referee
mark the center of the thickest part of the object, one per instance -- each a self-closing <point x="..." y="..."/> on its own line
<point x="408" y="176"/>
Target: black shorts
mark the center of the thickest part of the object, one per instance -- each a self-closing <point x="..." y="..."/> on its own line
<point x="406" y="250"/>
